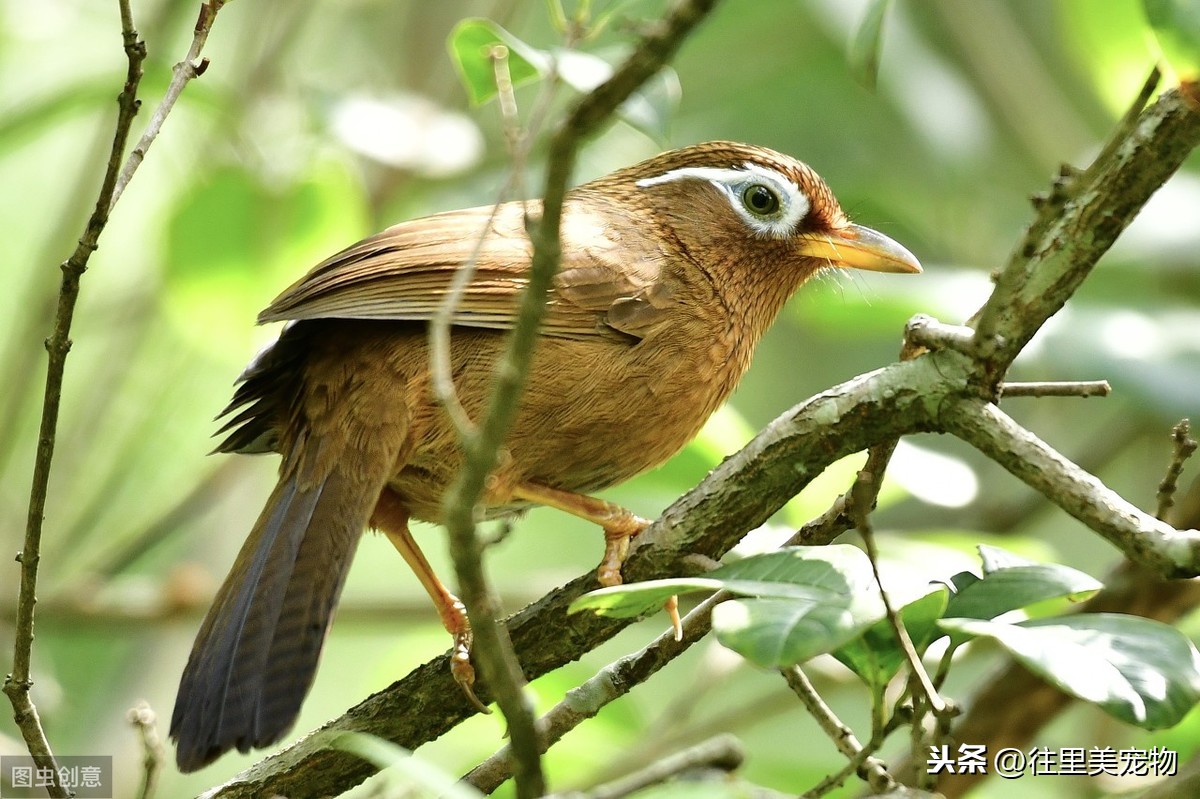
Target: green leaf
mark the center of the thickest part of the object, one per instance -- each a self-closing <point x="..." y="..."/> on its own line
<point x="651" y="108"/>
<point x="867" y="42"/>
<point x="876" y="656"/>
<point x="638" y="599"/>
<point x="1176" y="26"/>
<point x="1011" y="582"/>
<point x="804" y="575"/>
<point x="840" y="568"/>
<point x="994" y="559"/>
<point x="776" y="632"/>
<point x="779" y="632"/>
<point x="1139" y="671"/>
<point x="471" y="44"/>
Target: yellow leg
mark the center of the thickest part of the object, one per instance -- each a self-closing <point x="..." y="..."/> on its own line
<point x="391" y="518"/>
<point x="619" y="524"/>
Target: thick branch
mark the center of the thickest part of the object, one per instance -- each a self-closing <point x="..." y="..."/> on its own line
<point x="1100" y="203"/>
<point x="1143" y="538"/>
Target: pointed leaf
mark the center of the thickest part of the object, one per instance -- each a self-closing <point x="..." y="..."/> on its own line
<point x="779" y="632"/>
<point x="1014" y="587"/>
<point x="994" y="559"/>
<point x="1140" y="671"/>
<point x="806" y="575"/>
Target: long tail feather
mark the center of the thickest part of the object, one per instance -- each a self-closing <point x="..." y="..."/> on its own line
<point x="256" y="653"/>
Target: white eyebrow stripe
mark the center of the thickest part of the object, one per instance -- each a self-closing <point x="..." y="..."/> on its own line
<point x="795" y="205"/>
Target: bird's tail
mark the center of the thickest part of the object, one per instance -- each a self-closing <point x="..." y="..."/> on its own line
<point x="257" y="650"/>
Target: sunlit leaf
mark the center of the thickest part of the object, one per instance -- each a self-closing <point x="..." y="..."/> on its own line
<point x="804" y="575"/>
<point x="471" y="45"/>
<point x="782" y="632"/>
<point x="1140" y="671"/>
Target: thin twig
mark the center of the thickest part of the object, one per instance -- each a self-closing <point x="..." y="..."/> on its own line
<point x="843" y="738"/>
<point x="187" y="69"/>
<point x="1143" y="538"/>
<point x="18" y="681"/>
<point x="609" y="684"/>
<point x="492" y="647"/>
<point x="144" y="720"/>
<point x="1185" y="445"/>
<point x="863" y="486"/>
<point x="1080" y="388"/>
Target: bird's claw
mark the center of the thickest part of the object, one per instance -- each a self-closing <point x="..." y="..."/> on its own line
<point x="671" y="606"/>
<point x="462" y="670"/>
<point x="617" y="535"/>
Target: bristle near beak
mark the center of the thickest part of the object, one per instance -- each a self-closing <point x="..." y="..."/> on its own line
<point x="858" y="247"/>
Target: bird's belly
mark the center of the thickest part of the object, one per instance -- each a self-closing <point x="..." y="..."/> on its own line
<point x="609" y="413"/>
<point x="594" y="414"/>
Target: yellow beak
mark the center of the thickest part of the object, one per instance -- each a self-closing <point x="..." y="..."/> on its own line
<point x="858" y="247"/>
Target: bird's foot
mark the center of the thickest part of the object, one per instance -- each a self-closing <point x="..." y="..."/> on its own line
<point x="454" y="619"/>
<point x="618" y="530"/>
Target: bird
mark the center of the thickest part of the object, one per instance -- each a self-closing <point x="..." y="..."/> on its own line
<point x="671" y="271"/>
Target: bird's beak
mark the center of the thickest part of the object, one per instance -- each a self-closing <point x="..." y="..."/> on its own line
<point x="858" y="247"/>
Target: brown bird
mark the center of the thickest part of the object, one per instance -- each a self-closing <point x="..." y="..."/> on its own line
<point x="672" y="269"/>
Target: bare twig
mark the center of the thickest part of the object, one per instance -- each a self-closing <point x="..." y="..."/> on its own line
<point x="843" y="738"/>
<point x="1053" y="260"/>
<point x="144" y="721"/>
<point x="187" y="69"/>
<point x="1141" y="537"/>
<point x="18" y="682"/>
<point x="1080" y="388"/>
<point x="1185" y="445"/>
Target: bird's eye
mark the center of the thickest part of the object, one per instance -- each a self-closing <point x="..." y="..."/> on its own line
<point x="760" y="200"/>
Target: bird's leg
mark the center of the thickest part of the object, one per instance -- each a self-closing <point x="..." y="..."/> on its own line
<point x="619" y="526"/>
<point x="391" y="518"/>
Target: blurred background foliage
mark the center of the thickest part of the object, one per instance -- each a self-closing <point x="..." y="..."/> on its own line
<point x="318" y="123"/>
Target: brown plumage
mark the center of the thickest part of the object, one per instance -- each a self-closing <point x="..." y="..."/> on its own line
<point x="672" y="269"/>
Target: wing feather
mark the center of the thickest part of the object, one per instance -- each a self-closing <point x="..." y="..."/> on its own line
<point x="404" y="272"/>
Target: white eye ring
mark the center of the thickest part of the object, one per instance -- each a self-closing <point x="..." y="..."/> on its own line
<point x="779" y="223"/>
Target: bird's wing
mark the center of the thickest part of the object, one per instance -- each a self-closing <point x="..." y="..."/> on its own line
<point x="405" y="272"/>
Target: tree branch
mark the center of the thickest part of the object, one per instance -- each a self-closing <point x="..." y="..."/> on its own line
<point x="18" y="681"/>
<point x="1143" y="538"/>
<point x="609" y="684"/>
